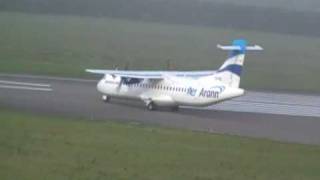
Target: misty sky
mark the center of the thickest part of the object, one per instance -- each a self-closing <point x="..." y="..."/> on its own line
<point x="300" y="5"/>
<point x="300" y="17"/>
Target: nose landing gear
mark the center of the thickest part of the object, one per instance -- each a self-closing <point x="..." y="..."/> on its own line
<point x="105" y="98"/>
<point x="151" y="106"/>
<point x="175" y="108"/>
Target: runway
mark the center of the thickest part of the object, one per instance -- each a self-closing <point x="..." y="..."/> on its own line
<point x="273" y="103"/>
<point x="282" y="117"/>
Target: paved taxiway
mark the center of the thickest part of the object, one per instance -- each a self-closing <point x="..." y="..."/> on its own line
<point x="284" y="117"/>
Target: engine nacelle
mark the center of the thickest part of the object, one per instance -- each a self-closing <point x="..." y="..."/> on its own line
<point x="112" y="79"/>
<point x="164" y="101"/>
<point x="109" y="84"/>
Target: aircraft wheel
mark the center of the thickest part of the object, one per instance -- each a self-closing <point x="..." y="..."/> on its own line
<point x="151" y="106"/>
<point x="105" y="98"/>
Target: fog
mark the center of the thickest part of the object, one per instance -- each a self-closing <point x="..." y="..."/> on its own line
<point x="280" y="16"/>
<point x="296" y="5"/>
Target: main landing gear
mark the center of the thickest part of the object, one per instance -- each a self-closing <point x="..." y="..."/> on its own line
<point x="105" y="98"/>
<point x="151" y="106"/>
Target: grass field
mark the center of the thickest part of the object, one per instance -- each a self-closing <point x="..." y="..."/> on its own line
<point x="66" y="45"/>
<point x="38" y="147"/>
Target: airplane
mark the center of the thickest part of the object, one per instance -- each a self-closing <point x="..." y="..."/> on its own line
<point x="179" y="88"/>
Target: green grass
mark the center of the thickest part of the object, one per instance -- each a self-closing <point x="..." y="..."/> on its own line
<point x="66" y="45"/>
<point x="38" y="147"/>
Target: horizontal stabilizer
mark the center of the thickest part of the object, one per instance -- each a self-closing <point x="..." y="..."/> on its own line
<point x="239" y="48"/>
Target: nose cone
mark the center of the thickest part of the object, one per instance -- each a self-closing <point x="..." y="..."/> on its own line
<point x="100" y="86"/>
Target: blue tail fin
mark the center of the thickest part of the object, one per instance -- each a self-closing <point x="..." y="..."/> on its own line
<point x="239" y="43"/>
<point x="231" y="69"/>
<point x="236" y="58"/>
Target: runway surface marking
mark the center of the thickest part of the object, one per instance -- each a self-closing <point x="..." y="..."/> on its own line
<point x="24" y="83"/>
<point x="273" y="103"/>
<point x="25" y="86"/>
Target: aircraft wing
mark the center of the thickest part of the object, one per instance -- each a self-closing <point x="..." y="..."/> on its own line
<point x="151" y="74"/>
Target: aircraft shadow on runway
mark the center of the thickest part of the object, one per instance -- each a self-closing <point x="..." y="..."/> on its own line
<point x="200" y="113"/>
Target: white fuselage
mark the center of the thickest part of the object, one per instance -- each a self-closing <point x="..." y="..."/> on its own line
<point x="172" y="91"/>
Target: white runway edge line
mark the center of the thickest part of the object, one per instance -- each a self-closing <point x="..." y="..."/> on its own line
<point x="24" y="83"/>
<point x="273" y="103"/>
<point x="25" y="86"/>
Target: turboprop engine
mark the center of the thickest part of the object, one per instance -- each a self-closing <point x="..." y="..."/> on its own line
<point x="109" y="83"/>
